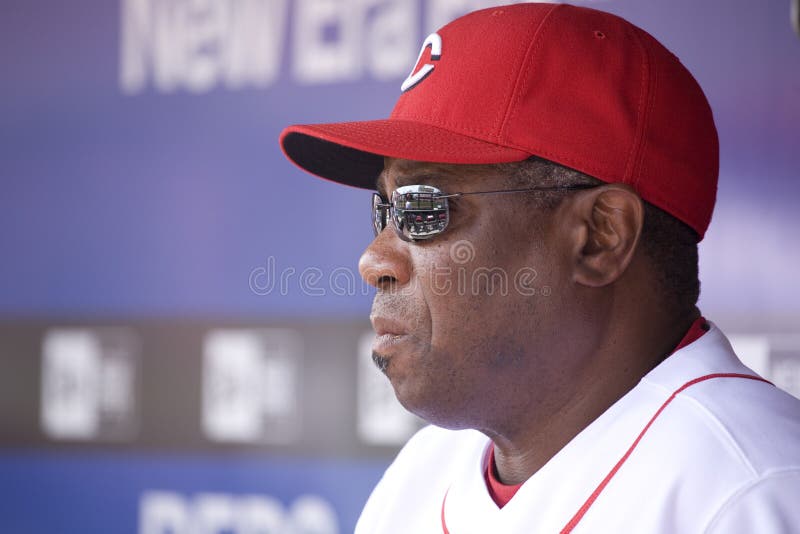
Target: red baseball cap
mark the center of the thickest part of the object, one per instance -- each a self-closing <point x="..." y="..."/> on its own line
<point x="577" y="86"/>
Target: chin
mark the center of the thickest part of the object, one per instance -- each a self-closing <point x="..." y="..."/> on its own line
<point x="427" y="402"/>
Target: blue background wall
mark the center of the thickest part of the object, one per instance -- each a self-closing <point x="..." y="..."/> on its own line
<point x="160" y="196"/>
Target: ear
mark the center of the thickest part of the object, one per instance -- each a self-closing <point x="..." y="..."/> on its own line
<point x="609" y="221"/>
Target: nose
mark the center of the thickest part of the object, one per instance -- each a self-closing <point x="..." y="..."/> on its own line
<point x="385" y="262"/>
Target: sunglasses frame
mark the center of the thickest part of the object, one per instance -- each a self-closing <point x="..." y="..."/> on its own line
<point x="415" y="222"/>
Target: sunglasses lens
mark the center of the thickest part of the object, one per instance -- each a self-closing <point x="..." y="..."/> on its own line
<point x="420" y="211"/>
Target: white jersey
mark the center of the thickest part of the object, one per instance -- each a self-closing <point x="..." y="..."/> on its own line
<point x="723" y="456"/>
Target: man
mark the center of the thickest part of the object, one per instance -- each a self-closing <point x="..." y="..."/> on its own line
<point x="542" y="184"/>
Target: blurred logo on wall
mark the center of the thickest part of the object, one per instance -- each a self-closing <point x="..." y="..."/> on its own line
<point x="251" y="385"/>
<point x="89" y="383"/>
<point x="774" y="357"/>
<point x="169" y="46"/>
<point x="162" y="512"/>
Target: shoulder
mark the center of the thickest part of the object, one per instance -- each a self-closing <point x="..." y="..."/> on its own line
<point x="731" y="441"/>
<point x="716" y="395"/>
<point x="766" y="504"/>
<point x="756" y="428"/>
<point x="760" y="422"/>
<point x="723" y="406"/>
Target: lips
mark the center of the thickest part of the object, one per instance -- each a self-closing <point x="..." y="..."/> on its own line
<point x="385" y="326"/>
<point x="389" y="335"/>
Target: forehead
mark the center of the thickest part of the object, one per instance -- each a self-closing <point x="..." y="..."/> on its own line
<point x="445" y="176"/>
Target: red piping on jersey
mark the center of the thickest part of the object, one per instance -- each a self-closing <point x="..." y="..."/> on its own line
<point x="444" y="523"/>
<point x="593" y="497"/>
<point x="596" y="493"/>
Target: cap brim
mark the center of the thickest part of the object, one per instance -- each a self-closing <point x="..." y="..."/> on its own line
<point x="352" y="152"/>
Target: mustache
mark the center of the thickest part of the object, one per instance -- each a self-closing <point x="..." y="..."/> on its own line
<point x="394" y="306"/>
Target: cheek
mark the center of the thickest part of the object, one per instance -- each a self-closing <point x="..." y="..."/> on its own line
<point x="489" y="301"/>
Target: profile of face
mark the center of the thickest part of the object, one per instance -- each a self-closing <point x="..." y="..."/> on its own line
<point x="469" y="323"/>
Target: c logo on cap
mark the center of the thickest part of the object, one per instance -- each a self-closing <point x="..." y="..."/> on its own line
<point x="435" y="42"/>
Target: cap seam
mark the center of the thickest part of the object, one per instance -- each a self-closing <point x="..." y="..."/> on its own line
<point x="641" y="112"/>
<point x="531" y="51"/>
<point x="654" y="81"/>
<point x="458" y="128"/>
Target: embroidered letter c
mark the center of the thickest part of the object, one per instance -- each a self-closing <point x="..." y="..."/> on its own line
<point x="435" y="42"/>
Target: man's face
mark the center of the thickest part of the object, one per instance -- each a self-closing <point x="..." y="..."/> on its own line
<point x="467" y="321"/>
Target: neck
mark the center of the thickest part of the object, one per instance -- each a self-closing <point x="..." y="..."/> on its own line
<point x="524" y="446"/>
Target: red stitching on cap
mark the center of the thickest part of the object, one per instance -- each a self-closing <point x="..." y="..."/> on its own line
<point x="447" y="125"/>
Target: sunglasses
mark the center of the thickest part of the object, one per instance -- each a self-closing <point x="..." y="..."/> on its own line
<point x="421" y="212"/>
